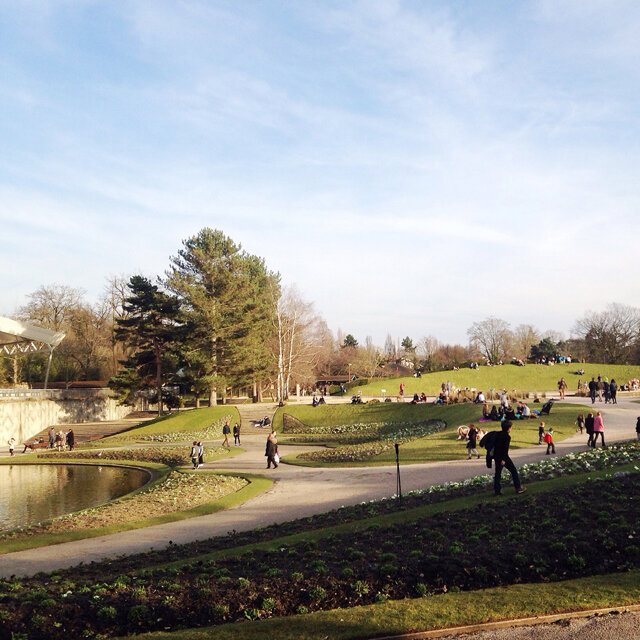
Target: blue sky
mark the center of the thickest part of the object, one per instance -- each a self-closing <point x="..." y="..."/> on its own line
<point x="411" y="166"/>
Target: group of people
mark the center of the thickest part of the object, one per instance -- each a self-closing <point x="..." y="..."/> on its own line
<point x="594" y="426"/>
<point x="506" y="412"/>
<point x="197" y="454"/>
<point x="60" y="440"/>
<point x="601" y="389"/>
<point x="226" y="431"/>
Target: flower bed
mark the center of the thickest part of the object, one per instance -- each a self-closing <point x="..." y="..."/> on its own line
<point x="401" y="433"/>
<point x="177" y="492"/>
<point x="171" y="456"/>
<point x="210" y="432"/>
<point x="546" y="537"/>
<point x="597" y="459"/>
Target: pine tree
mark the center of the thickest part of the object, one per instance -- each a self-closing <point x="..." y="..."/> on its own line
<point x="152" y="330"/>
<point x="224" y="294"/>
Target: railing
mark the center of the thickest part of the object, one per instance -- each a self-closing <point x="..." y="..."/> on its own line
<point x="52" y="394"/>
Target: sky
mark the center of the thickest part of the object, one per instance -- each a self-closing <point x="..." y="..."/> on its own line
<point x="411" y="166"/>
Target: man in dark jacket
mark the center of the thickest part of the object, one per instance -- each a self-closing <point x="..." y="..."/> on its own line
<point x="593" y="387"/>
<point x="502" y="459"/>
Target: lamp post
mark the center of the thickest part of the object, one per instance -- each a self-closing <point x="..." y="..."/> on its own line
<point x="349" y="372"/>
<point x="398" y="483"/>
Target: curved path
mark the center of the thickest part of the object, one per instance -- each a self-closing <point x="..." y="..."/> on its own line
<point x="296" y="492"/>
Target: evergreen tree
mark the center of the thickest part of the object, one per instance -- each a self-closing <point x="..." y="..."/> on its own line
<point x="151" y="329"/>
<point x="225" y="293"/>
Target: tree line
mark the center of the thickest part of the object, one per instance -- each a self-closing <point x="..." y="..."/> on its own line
<point x="218" y="321"/>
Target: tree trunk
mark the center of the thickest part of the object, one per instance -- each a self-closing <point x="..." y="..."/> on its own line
<point x="213" y="398"/>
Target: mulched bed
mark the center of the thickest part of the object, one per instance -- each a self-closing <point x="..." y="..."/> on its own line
<point x="588" y="529"/>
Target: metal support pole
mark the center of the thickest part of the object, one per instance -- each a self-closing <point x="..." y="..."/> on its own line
<point x="398" y="483"/>
<point x="46" y="377"/>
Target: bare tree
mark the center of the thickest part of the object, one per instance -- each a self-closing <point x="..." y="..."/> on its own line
<point x="610" y="336"/>
<point x="492" y="337"/>
<point x="299" y="333"/>
<point x="52" y="306"/>
<point x="524" y="336"/>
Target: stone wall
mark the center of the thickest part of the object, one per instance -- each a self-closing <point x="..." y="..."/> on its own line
<point x="23" y="418"/>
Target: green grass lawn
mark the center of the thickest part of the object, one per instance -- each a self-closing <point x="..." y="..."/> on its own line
<point x="345" y="414"/>
<point x="433" y="448"/>
<point x="182" y="421"/>
<point x="532" y="377"/>
<point x="524" y="433"/>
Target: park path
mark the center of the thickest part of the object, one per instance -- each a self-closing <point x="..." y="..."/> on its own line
<point x="296" y="492"/>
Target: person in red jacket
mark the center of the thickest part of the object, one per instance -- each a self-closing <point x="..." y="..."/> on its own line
<point x="548" y="438"/>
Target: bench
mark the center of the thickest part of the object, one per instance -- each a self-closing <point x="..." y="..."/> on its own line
<point x="35" y="445"/>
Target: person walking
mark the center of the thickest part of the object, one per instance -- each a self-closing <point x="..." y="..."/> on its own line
<point x="401" y="388"/>
<point x="548" y="438"/>
<point x="52" y="437"/>
<point x="226" y="430"/>
<point x="579" y="423"/>
<point x="613" y="390"/>
<point x="540" y="432"/>
<point x="194" y="454"/>
<point x="71" y="439"/>
<point x="588" y="425"/>
<point x="502" y="459"/>
<point x="598" y="428"/>
<point x="11" y="442"/>
<point x="200" y="454"/>
<point x="593" y="387"/>
<point x="236" y="434"/>
<point x="562" y="387"/>
<point x="471" y="443"/>
<point x="607" y="391"/>
<point x="271" y="450"/>
<point x="600" y="388"/>
<point x="638" y="428"/>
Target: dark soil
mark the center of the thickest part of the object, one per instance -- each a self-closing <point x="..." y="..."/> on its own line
<point x="586" y="530"/>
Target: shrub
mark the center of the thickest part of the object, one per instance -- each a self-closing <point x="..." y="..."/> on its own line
<point x="218" y="611"/>
<point x="296" y="576"/>
<point x="317" y="594"/>
<point x="381" y="597"/>
<point x="269" y="604"/>
<point x="243" y="583"/>
<point x="301" y="609"/>
<point x="421" y="590"/>
<point x="251" y="614"/>
<point x="274" y="572"/>
<point x="360" y="587"/>
<point x="137" y="613"/>
<point x="107" y="613"/>
<point x="347" y="572"/>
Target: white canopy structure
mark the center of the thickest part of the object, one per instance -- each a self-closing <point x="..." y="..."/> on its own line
<point x="18" y="337"/>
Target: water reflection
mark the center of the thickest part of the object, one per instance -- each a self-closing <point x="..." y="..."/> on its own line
<point x="33" y="493"/>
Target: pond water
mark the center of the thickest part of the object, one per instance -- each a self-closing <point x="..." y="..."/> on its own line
<point x="35" y="492"/>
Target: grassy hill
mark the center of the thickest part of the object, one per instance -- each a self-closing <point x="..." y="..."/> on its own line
<point x="532" y="377"/>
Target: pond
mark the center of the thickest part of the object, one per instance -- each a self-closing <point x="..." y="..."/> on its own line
<point x="33" y="493"/>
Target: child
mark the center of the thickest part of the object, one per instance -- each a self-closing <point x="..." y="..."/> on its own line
<point x="471" y="444"/>
<point x="10" y="443"/>
<point x="548" y="438"/>
<point x="540" y="432"/>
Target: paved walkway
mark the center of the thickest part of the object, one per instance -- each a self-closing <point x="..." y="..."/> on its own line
<point x="296" y="492"/>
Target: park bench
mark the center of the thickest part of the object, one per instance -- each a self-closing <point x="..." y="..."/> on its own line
<point x="35" y="445"/>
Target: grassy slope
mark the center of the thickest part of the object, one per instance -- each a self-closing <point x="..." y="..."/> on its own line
<point x="191" y="420"/>
<point x="445" y="446"/>
<point x="532" y="377"/>
<point x="340" y="414"/>
<point x="436" y="447"/>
